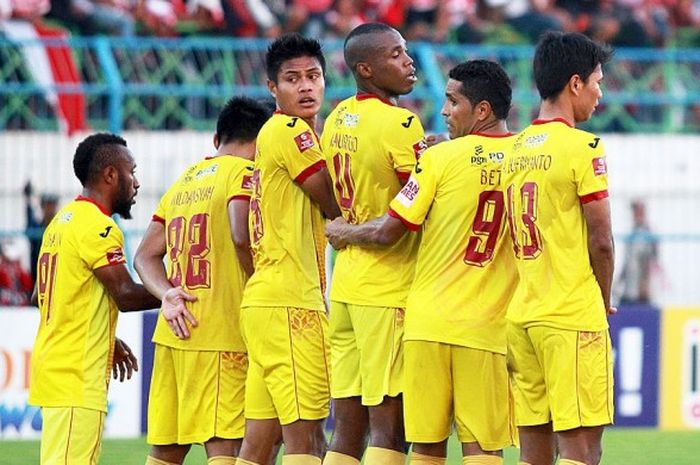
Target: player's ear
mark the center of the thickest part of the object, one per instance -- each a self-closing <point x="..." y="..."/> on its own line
<point x="364" y="70"/>
<point x="575" y="84"/>
<point x="111" y="175"/>
<point x="272" y="87"/>
<point x="216" y="141"/>
<point x="483" y="110"/>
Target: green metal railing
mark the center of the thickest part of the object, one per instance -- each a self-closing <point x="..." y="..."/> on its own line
<point x="156" y="84"/>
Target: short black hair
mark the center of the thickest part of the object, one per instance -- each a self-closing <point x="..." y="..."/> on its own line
<point x="241" y="119"/>
<point x="94" y="154"/>
<point x="484" y="80"/>
<point x="560" y="55"/>
<point x="356" y="48"/>
<point x="289" y="46"/>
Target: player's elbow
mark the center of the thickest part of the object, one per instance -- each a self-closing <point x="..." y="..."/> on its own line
<point x="241" y="241"/>
<point x="602" y="247"/>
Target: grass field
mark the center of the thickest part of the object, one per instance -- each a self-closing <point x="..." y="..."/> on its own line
<point x="621" y="447"/>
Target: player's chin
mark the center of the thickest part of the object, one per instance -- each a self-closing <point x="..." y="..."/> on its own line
<point x="308" y="111"/>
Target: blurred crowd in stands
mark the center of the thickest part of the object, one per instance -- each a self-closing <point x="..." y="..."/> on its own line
<point x="638" y="23"/>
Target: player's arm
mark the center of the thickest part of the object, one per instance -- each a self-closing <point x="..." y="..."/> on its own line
<point x="128" y="295"/>
<point x="601" y="247"/>
<point x="34" y="299"/>
<point x="386" y="230"/>
<point x="318" y="187"/>
<point x="148" y="263"/>
<point x="238" y="223"/>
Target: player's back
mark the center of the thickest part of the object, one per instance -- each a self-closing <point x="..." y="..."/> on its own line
<point x="368" y="144"/>
<point x="200" y="254"/>
<point x="465" y="272"/>
<point x="286" y="226"/>
<point x="71" y="358"/>
<point x="550" y="172"/>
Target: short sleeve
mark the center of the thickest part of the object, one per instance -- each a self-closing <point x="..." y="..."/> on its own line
<point x="590" y="170"/>
<point x="102" y="244"/>
<point x="301" y="154"/>
<point x="240" y="181"/>
<point x="159" y="214"/>
<point x="405" y="141"/>
<point x="412" y="203"/>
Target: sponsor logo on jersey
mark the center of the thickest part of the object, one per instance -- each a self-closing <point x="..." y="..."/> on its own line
<point x="115" y="256"/>
<point x="600" y="166"/>
<point x="407" y="123"/>
<point x="420" y="147"/>
<point x="478" y="158"/>
<point x="65" y="217"/>
<point x="536" y="140"/>
<point x="206" y="172"/>
<point x="105" y="233"/>
<point x="304" y="141"/>
<point x="407" y="195"/>
<point x="496" y="157"/>
<point x="247" y="182"/>
<point x="293" y="122"/>
<point x="594" y="144"/>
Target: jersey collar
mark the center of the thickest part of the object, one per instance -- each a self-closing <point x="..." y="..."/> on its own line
<point x="559" y="120"/>
<point x="366" y="95"/>
<point x="481" y="134"/>
<point x="81" y="198"/>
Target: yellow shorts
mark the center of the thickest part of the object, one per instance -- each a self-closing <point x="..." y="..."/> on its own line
<point x="71" y="435"/>
<point x="366" y="352"/>
<point x="561" y="376"/>
<point x="445" y="382"/>
<point x="289" y="374"/>
<point x="196" y="396"/>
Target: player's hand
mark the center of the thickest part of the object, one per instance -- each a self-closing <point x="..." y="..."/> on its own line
<point x="611" y="310"/>
<point x="175" y="311"/>
<point x="125" y="362"/>
<point x="335" y="233"/>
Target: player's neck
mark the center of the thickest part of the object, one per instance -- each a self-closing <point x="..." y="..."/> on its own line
<point x="237" y="149"/>
<point x="100" y="198"/>
<point x="495" y="127"/>
<point x="556" y="109"/>
<point x="364" y="87"/>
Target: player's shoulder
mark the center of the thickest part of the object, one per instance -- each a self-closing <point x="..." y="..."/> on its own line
<point x="85" y="216"/>
<point x="280" y="124"/>
<point x="568" y="136"/>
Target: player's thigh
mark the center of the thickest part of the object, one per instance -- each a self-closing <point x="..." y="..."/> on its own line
<point x="71" y="435"/>
<point x="482" y="402"/>
<point x="345" y="356"/>
<point x="527" y="376"/>
<point x="428" y="393"/>
<point x="197" y="395"/>
<point x="379" y="333"/>
<point x="578" y="372"/>
<point x="294" y="357"/>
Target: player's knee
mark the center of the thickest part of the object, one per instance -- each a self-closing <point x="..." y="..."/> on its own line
<point x="390" y="436"/>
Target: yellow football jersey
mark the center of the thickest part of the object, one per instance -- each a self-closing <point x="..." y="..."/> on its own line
<point x="72" y="355"/>
<point x="200" y="254"/>
<point x="286" y="226"/>
<point x="550" y="172"/>
<point x="465" y="272"/>
<point x="369" y="144"/>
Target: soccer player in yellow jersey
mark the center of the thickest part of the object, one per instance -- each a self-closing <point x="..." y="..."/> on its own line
<point x="82" y="283"/>
<point x="455" y="341"/>
<point x="201" y="225"/>
<point x="283" y="311"/>
<point x="556" y="184"/>
<point x="371" y="146"/>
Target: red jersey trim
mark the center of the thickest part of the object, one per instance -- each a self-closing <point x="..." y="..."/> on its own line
<point x="406" y="223"/>
<point x="594" y="196"/>
<point x="238" y="197"/>
<point x="123" y="262"/>
<point x="553" y="120"/>
<point x="496" y="136"/>
<point x="360" y="96"/>
<point x="81" y="198"/>
<point x="403" y="175"/>
<point x="158" y="219"/>
<point x="304" y="175"/>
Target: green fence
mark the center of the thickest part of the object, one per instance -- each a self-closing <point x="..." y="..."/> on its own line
<point x="156" y="84"/>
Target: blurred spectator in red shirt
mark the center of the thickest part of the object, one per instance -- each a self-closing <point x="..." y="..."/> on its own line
<point x="15" y="282"/>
